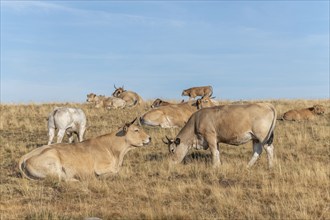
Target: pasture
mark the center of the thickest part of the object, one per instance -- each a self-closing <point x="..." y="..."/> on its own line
<point x="298" y="187"/>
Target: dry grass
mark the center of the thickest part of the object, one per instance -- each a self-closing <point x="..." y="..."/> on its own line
<point x="147" y="188"/>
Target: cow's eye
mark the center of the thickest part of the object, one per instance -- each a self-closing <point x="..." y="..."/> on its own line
<point x="137" y="130"/>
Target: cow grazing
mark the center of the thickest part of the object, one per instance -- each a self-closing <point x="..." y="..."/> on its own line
<point x="109" y="102"/>
<point x="97" y="156"/>
<point x="66" y="120"/>
<point x="170" y="116"/>
<point x="230" y="124"/>
<point x="304" y="114"/>
<point x="198" y="91"/>
<point x="131" y="98"/>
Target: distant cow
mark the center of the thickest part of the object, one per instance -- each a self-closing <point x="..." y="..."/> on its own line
<point x="170" y="116"/>
<point x="131" y="98"/>
<point x="109" y="102"/>
<point x="97" y="156"/>
<point x="159" y="102"/>
<point x="205" y="102"/>
<point x="66" y="120"/>
<point x="198" y="91"/>
<point x="230" y="124"/>
<point x="91" y="98"/>
<point x="304" y="114"/>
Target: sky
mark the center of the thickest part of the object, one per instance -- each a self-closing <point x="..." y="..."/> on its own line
<point x="59" y="51"/>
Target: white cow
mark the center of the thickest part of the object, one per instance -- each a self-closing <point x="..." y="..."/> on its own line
<point x="66" y="120"/>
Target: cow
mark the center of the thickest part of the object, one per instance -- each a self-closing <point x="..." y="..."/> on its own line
<point x="91" y="98"/>
<point x="230" y="124"/>
<point x="99" y="156"/>
<point x="159" y="102"/>
<point x="131" y="98"/>
<point x="198" y="91"/>
<point x="66" y="120"/>
<point x="304" y="114"/>
<point x="170" y="116"/>
<point x="205" y="102"/>
<point x="109" y="102"/>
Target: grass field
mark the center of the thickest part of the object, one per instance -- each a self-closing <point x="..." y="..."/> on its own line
<point x="147" y="188"/>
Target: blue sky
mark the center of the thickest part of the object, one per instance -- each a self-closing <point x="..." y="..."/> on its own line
<point x="59" y="51"/>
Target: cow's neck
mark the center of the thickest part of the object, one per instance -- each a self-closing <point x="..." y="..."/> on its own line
<point x="119" y="148"/>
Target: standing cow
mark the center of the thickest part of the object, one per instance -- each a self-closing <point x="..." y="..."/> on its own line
<point x="198" y="91"/>
<point x="131" y="98"/>
<point x="230" y="124"/>
<point x="66" y="120"/>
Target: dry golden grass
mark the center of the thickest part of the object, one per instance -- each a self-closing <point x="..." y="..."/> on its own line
<point x="147" y="188"/>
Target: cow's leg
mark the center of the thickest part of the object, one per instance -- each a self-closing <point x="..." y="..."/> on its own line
<point x="70" y="135"/>
<point x="81" y="133"/>
<point x="257" y="149"/>
<point x="51" y="134"/>
<point x="213" y="146"/>
<point x="60" y="135"/>
<point x="270" y="154"/>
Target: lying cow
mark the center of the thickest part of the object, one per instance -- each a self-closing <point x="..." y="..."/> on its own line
<point x="198" y="91"/>
<point x="158" y="102"/>
<point x="91" y="98"/>
<point x="230" y="124"/>
<point x="170" y="116"/>
<point x="205" y="102"/>
<point x="96" y="156"/>
<point x="304" y="114"/>
<point x="131" y="98"/>
<point x="109" y="102"/>
<point x="66" y="120"/>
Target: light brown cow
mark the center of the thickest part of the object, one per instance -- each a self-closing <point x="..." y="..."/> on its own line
<point x="158" y="102"/>
<point x="198" y="91"/>
<point x="205" y="102"/>
<point x="91" y="97"/>
<point x="97" y="156"/>
<point x="304" y="114"/>
<point x="109" y="102"/>
<point x="230" y="124"/>
<point x="131" y="98"/>
<point x="170" y="116"/>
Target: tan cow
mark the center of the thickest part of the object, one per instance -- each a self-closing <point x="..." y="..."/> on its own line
<point x="97" y="156"/>
<point x="158" y="102"/>
<point x="170" y="116"/>
<point x="230" y="124"/>
<point x="304" y="114"/>
<point x="131" y="98"/>
<point x="91" y="98"/>
<point x="198" y="91"/>
<point x="109" y="102"/>
<point x="205" y="102"/>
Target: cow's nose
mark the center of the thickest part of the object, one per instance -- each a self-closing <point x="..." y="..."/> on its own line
<point x="149" y="139"/>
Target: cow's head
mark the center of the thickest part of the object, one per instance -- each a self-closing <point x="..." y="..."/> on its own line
<point x="172" y="144"/>
<point x="318" y="109"/>
<point x="184" y="93"/>
<point x="91" y="97"/>
<point x="135" y="135"/>
<point x="156" y="103"/>
<point x="204" y="102"/>
<point x="118" y="91"/>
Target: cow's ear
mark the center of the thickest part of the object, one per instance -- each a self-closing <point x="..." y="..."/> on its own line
<point x="177" y="141"/>
<point x="125" y="128"/>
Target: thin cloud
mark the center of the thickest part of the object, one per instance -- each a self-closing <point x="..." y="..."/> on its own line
<point x="88" y="17"/>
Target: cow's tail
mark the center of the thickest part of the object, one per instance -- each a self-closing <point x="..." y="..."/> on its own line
<point x="22" y="162"/>
<point x="270" y="136"/>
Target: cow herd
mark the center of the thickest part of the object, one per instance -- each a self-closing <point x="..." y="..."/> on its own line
<point x="204" y="126"/>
